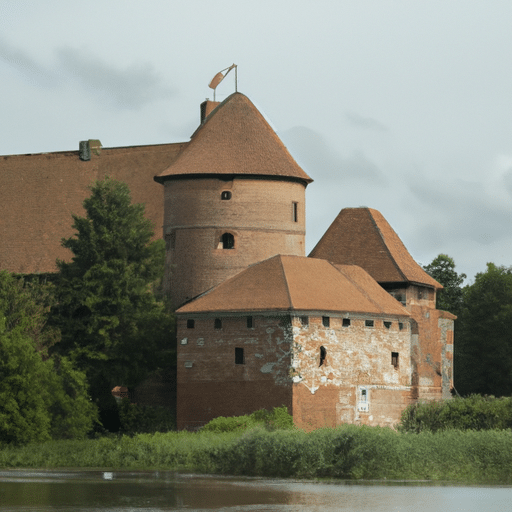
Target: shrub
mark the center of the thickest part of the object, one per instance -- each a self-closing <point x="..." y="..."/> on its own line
<point x="276" y="419"/>
<point x="137" y="419"/>
<point x="472" y="413"/>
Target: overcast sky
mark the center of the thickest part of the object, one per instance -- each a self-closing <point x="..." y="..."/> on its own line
<point x="403" y="105"/>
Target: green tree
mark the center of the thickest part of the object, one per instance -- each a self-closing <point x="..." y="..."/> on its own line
<point x="483" y="355"/>
<point x="39" y="399"/>
<point x="111" y="322"/>
<point x="450" y="298"/>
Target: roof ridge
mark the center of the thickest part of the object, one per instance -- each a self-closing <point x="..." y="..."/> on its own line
<point x="372" y="218"/>
<point x="286" y="281"/>
<point x="356" y="285"/>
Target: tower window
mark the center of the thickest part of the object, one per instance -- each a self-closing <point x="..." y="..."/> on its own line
<point x="250" y="322"/>
<point x="295" y="212"/>
<point x="323" y="355"/>
<point x="218" y="323"/>
<point x="368" y="323"/>
<point x="346" y="322"/>
<point x="239" y="356"/>
<point x="394" y="359"/>
<point x="326" y="321"/>
<point x="304" y="321"/>
<point x="225" y="195"/>
<point x="228" y="241"/>
<point x="387" y="325"/>
<point x="190" y="323"/>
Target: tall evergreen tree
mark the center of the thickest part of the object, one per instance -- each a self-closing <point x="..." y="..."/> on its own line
<point x="483" y="349"/>
<point x="442" y="269"/>
<point x="112" y="325"/>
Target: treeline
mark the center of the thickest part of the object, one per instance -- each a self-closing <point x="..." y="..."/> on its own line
<point x="100" y="321"/>
<point x="483" y="339"/>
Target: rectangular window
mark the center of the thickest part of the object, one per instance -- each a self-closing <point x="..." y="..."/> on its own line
<point x="304" y="321"/>
<point x="295" y="212"/>
<point x="387" y="325"/>
<point x="239" y="356"/>
<point x="400" y="325"/>
<point x="394" y="359"/>
<point x="326" y="321"/>
<point x="346" y="322"/>
<point x="190" y="323"/>
<point x="368" y="323"/>
<point x="250" y="322"/>
<point x="218" y="323"/>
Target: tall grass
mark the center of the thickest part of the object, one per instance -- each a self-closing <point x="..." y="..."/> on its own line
<point x="349" y="451"/>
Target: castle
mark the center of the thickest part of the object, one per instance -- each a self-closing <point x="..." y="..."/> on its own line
<point x="348" y="334"/>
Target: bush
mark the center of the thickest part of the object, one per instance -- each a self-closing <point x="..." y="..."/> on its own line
<point x="137" y="419"/>
<point x="472" y="413"/>
<point x="277" y="419"/>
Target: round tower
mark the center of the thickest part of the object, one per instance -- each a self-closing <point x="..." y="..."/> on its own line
<point x="233" y="197"/>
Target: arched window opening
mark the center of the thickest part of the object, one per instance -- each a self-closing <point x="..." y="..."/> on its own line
<point x="228" y="241"/>
<point x="323" y="355"/>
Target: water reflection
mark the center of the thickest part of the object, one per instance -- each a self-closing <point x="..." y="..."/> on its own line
<point x="100" y="491"/>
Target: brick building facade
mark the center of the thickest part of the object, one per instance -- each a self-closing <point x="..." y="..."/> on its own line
<point x="349" y="334"/>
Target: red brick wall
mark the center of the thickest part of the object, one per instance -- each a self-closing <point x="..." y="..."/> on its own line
<point x="259" y="215"/>
<point x="214" y="385"/>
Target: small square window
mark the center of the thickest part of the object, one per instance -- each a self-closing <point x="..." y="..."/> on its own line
<point x="250" y="322"/>
<point x="368" y="323"/>
<point x="387" y="325"/>
<point x="346" y="322"/>
<point x="304" y="321"/>
<point x="218" y="323"/>
<point x="239" y="356"/>
<point x="326" y="321"/>
<point x="190" y="323"/>
<point x="394" y="359"/>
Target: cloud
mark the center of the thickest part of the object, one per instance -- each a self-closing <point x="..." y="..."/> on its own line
<point x="320" y="160"/>
<point x="365" y="123"/>
<point x="26" y="65"/>
<point x="131" y="87"/>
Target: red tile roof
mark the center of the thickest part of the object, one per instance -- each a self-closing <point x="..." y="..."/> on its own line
<point x="38" y="194"/>
<point x="235" y="139"/>
<point x="363" y="237"/>
<point x="295" y="283"/>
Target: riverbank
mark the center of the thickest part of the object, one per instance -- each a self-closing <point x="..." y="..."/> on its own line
<point x="348" y="452"/>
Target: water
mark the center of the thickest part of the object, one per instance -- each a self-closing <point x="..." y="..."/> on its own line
<point x="98" y="491"/>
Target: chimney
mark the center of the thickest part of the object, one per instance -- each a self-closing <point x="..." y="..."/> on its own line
<point x="85" y="148"/>
<point x="207" y="107"/>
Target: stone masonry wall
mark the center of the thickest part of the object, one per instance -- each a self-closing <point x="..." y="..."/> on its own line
<point x="357" y="381"/>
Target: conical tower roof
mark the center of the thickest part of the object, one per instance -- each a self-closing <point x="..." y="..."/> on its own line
<point x="235" y="139"/>
<point x="363" y="237"/>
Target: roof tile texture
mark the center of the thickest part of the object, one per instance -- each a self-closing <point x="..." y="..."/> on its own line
<point x="235" y="139"/>
<point x="363" y="237"/>
<point x="39" y="193"/>
<point x="295" y="283"/>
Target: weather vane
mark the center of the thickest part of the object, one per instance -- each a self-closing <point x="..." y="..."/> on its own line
<point x="217" y="79"/>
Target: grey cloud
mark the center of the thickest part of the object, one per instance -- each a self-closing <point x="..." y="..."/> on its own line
<point x="365" y="123"/>
<point x="130" y="88"/>
<point x="463" y="211"/>
<point x="507" y="180"/>
<point x="319" y="159"/>
<point x="26" y="65"/>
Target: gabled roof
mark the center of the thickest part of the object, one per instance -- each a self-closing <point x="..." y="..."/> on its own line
<point x="296" y="283"/>
<point x="235" y="139"/>
<point x="40" y="192"/>
<point x="363" y="237"/>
